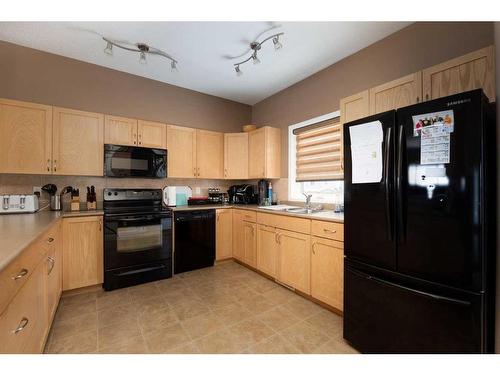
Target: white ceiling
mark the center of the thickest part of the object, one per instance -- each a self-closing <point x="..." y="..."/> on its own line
<point x="203" y="50"/>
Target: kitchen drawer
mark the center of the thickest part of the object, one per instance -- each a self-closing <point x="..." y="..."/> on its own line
<point x="26" y="314"/>
<point x="15" y="275"/>
<point x="250" y="216"/>
<point x="328" y="229"/>
<point x="294" y="224"/>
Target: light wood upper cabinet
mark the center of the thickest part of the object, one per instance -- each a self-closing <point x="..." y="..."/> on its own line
<point x="120" y="131"/>
<point x="294" y="267"/>
<point x="327" y="271"/>
<point x="25" y="137"/>
<point x="78" y="142"/>
<point x="267" y="250"/>
<point x="250" y="243"/>
<point x="209" y="154"/>
<point x="264" y="150"/>
<point x="181" y="146"/>
<point x="83" y="251"/>
<point x="396" y="94"/>
<point x="151" y="134"/>
<point x="238" y="247"/>
<point x="355" y="107"/>
<point x="224" y="233"/>
<point x="236" y="156"/>
<point x="468" y="72"/>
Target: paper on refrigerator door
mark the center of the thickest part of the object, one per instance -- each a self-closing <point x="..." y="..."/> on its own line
<point x="366" y="152"/>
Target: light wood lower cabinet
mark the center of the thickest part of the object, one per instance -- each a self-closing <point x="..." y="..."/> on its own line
<point x="294" y="266"/>
<point x="327" y="271"/>
<point x="224" y="234"/>
<point x="267" y="250"/>
<point x="250" y="243"/>
<point x="238" y="246"/>
<point x="54" y="273"/>
<point x="82" y="251"/>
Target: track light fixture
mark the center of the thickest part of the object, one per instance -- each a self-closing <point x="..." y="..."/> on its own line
<point x="255" y="47"/>
<point x="142" y="48"/>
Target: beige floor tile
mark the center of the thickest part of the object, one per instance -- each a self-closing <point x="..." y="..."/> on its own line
<point x="202" y="325"/>
<point x="79" y="299"/>
<point x="257" y="304"/>
<point x="189" y="310"/>
<point x="278" y="318"/>
<point x="328" y="323"/>
<point x="165" y="339"/>
<point x="232" y="313"/>
<point x="304" y="337"/>
<point x="303" y="308"/>
<point x="144" y="291"/>
<point x="73" y="326"/>
<point x="169" y="284"/>
<point x="157" y="319"/>
<point x="85" y="342"/>
<point x="178" y="296"/>
<point x="243" y="293"/>
<point x="117" y="334"/>
<point x="188" y="348"/>
<point x="279" y="295"/>
<point x="146" y="306"/>
<point x="73" y="310"/>
<point x="273" y="345"/>
<point x="113" y="298"/>
<point x="336" y="346"/>
<point x="133" y="345"/>
<point x="263" y="285"/>
<point x="116" y="315"/>
<point x="251" y="331"/>
<point x="220" y="342"/>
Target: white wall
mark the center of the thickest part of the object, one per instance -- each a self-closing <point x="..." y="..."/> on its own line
<point x="497" y="53"/>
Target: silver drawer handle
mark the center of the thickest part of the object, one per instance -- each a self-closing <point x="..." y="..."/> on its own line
<point x="22" y="325"/>
<point x="52" y="264"/>
<point x="21" y="274"/>
<point x="329" y="230"/>
<point x="50" y="239"/>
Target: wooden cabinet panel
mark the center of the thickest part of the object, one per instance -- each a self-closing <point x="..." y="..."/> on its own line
<point x="238" y="247"/>
<point x="267" y="250"/>
<point x="327" y="271"/>
<point x="82" y="252"/>
<point x="264" y="150"/>
<point x="151" y="134"/>
<point x="472" y="71"/>
<point x="250" y="243"/>
<point x="224" y="235"/>
<point x="209" y="154"/>
<point x="54" y="273"/>
<point x="78" y="142"/>
<point x="355" y="107"/>
<point x="25" y="137"/>
<point x="236" y="156"/>
<point x="327" y="229"/>
<point x="396" y="94"/>
<point x="294" y="259"/>
<point x="120" y="131"/>
<point x="181" y="146"/>
<point x="23" y="323"/>
<point x="295" y="224"/>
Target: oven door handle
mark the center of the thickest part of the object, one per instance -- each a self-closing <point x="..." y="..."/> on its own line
<point x="134" y="219"/>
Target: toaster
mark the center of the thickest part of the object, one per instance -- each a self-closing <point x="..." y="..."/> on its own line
<point x="15" y="204"/>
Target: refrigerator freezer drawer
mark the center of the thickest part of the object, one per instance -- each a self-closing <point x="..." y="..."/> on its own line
<point x="382" y="316"/>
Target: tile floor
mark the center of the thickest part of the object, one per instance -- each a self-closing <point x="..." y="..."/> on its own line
<point x="223" y="309"/>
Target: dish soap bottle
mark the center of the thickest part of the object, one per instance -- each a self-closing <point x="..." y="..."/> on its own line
<point x="270" y="193"/>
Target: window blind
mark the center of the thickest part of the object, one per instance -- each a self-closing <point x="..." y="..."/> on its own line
<point x="319" y="152"/>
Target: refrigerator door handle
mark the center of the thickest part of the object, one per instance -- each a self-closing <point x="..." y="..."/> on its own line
<point x="399" y="187"/>
<point x="386" y="183"/>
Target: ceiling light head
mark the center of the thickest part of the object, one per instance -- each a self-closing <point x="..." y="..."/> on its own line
<point x="277" y="44"/>
<point x="142" y="58"/>
<point x="239" y="73"/>
<point x="109" y="49"/>
<point x="173" y="66"/>
<point x="255" y="59"/>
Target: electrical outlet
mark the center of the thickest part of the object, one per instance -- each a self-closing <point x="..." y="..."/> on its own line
<point x="197" y="191"/>
<point x="37" y="190"/>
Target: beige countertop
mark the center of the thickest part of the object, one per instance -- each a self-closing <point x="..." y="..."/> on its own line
<point x="18" y="231"/>
<point x="326" y="215"/>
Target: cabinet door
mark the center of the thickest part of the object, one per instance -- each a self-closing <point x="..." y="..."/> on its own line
<point x="238" y="247"/>
<point x="250" y="243"/>
<point x="224" y="237"/>
<point x="209" y="154"/>
<point x="25" y="137"/>
<point x="78" y="140"/>
<point x="236" y="156"/>
<point x="54" y="273"/>
<point x="151" y="134"/>
<point x="120" y="131"/>
<point x="267" y="249"/>
<point x="355" y="107"/>
<point x="468" y="72"/>
<point x="294" y="259"/>
<point x="257" y="153"/>
<point x="396" y="94"/>
<point x="327" y="271"/>
<point x="24" y="323"/>
<point x="83" y="252"/>
<point x="181" y="146"/>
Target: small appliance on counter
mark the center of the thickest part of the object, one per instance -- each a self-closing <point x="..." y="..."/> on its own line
<point x="263" y="192"/>
<point x="176" y="195"/>
<point x="55" y="200"/>
<point x="242" y="194"/>
<point x="18" y="203"/>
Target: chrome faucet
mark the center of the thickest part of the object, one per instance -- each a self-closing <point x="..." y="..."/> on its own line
<point x="308" y="205"/>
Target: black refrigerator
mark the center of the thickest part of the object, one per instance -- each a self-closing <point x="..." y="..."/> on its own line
<point x="419" y="270"/>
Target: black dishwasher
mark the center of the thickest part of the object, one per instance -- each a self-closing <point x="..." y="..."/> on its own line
<point x="194" y="240"/>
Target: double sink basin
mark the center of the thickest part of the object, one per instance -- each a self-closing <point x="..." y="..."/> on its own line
<point x="291" y="209"/>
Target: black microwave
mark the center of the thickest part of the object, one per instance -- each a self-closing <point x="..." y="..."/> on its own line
<point x="129" y="161"/>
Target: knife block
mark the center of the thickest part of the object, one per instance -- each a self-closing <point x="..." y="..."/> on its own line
<point x="75" y="205"/>
<point x="91" y="205"/>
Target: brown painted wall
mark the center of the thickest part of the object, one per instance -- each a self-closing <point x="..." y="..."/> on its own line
<point x="36" y="76"/>
<point x="417" y="46"/>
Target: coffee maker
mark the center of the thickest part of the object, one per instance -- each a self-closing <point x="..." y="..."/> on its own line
<point x="262" y="191"/>
<point x="241" y="194"/>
